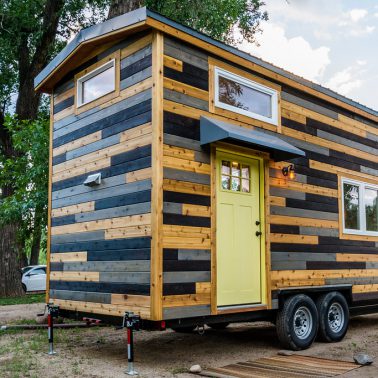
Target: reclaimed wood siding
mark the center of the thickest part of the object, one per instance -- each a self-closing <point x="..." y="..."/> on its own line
<point x="306" y="248"/>
<point x="101" y="235"/>
<point x="186" y="185"/>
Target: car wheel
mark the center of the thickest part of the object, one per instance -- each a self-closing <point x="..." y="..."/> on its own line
<point x="333" y="317"/>
<point x="219" y="325"/>
<point x="24" y="288"/>
<point x="297" y="322"/>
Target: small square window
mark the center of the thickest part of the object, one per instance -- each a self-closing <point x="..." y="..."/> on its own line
<point x="96" y="83"/>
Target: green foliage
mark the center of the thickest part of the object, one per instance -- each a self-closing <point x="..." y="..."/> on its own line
<point x="217" y="18"/>
<point x="27" y="172"/>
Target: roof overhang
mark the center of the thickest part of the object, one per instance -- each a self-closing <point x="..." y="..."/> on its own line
<point x="213" y="130"/>
<point x="83" y="47"/>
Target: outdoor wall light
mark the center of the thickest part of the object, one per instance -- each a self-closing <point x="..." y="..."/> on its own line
<point x="289" y="171"/>
<point x="93" y="180"/>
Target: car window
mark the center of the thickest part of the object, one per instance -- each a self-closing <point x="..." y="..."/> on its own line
<point x="38" y="271"/>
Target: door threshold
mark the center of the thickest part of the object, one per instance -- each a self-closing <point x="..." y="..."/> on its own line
<point x="241" y="308"/>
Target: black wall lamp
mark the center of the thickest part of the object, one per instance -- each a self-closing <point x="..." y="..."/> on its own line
<point x="289" y="171"/>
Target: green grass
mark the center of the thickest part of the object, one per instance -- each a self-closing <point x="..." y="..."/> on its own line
<point x="25" y="299"/>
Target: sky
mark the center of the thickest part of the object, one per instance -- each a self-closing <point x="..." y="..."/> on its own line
<point x="331" y="42"/>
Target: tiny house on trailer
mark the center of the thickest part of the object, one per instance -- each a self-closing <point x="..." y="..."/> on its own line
<point x="192" y="184"/>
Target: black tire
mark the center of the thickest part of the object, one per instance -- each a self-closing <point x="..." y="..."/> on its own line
<point x="219" y="326"/>
<point x="333" y="313"/>
<point x="297" y="322"/>
<point x="189" y="329"/>
<point x="24" y="288"/>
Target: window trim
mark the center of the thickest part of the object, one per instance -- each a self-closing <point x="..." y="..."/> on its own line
<point x="362" y="207"/>
<point x="251" y="84"/>
<point x="91" y="74"/>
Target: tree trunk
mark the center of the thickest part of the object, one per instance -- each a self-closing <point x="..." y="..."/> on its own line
<point x="37" y="234"/>
<point x="11" y="254"/>
<point x="118" y="7"/>
<point x="10" y="278"/>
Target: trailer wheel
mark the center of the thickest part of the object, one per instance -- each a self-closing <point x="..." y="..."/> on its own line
<point x="297" y="322"/>
<point x="333" y="316"/>
<point x="219" y="325"/>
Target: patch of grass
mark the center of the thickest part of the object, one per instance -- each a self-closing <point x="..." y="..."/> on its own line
<point x="25" y="299"/>
<point x="179" y="370"/>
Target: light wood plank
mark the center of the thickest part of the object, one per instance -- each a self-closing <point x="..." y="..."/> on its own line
<point x="173" y="63"/>
<point x="68" y="257"/>
<point x="203" y="287"/>
<point x="156" y="288"/>
<point x="277" y="201"/>
<point x="297" y="239"/>
<point x="186" y="300"/>
<point x="77" y="143"/>
<point x="127" y="144"/>
<point x="186" y="89"/>
<point x="63" y="96"/>
<point x="186" y="187"/>
<point x="186" y="165"/>
<point x="131" y="300"/>
<point x="305" y="222"/>
<point x="128" y="232"/>
<point x="301" y="187"/>
<point x="102" y="308"/>
<point x="365" y="288"/>
<point x="103" y="224"/>
<point x="136" y="46"/>
<point x="139" y="175"/>
<point x="73" y="209"/>
<point x="196" y="210"/>
<point x="75" y="276"/>
<point x="354" y="257"/>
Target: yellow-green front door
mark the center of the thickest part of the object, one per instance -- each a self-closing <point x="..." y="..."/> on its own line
<point x="238" y="220"/>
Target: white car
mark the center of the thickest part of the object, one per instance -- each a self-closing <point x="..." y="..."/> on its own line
<point x="35" y="279"/>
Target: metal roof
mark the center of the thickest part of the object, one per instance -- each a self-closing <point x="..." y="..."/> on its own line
<point x="142" y="14"/>
<point x="213" y="130"/>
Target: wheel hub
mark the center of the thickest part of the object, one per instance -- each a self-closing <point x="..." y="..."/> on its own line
<point x="336" y="317"/>
<point x="302" y="322"/>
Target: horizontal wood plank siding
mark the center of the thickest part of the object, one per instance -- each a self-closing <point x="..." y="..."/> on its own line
<point x="101" y="235"/>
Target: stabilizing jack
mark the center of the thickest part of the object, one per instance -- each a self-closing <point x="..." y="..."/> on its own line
<point x="131" y="322"/>
<point x="52" y="312"/>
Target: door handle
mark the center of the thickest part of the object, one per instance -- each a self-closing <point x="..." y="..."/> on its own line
<point x="258" y="233"/>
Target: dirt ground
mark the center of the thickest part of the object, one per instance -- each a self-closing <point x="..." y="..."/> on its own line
<point x="101" y="352"/>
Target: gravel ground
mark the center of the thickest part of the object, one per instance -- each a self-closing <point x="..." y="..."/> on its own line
<point x="101" y="352"/>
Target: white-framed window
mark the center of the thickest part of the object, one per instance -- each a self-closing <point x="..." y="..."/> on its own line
<point x="360" y="207"/>
<point x="96" y="83"/>
<point x="241" y="95"/>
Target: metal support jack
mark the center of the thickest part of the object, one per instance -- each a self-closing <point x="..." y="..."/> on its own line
<point x="131" y="322"/>
<point x="52" y="312"/>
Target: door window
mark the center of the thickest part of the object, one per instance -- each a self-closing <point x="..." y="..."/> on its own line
<point x="235" y="176"/>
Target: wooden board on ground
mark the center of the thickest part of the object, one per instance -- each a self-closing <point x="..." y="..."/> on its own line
<point x="294" y="366"/>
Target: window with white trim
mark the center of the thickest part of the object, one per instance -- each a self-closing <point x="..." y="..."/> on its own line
<point x="360" y="207"/>
<point x="96" y="83"/>
<point x="241" y="95"/>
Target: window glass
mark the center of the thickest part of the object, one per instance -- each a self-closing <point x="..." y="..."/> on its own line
<point x="98" y="85"/>
<point x="244" y="97"/>
<point x="351" y="206"/>
<point x="371" y="209"/>
<point x="226" y="182"/>
<point x="235" y="176"/>
<point x="37" y="271"/>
